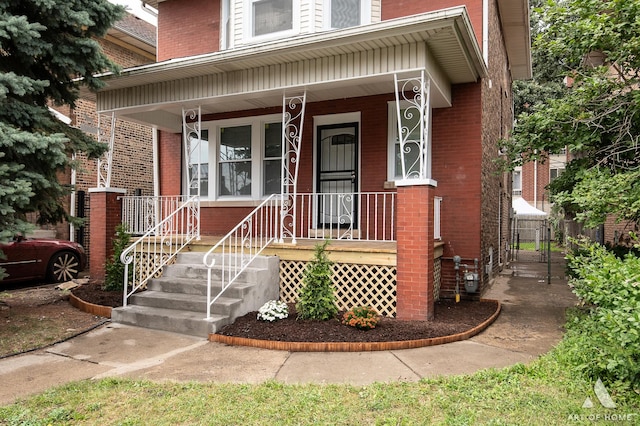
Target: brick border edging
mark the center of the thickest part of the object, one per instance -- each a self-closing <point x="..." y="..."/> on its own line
<point x="90" y="308"/>
<point x="357" y="346"/>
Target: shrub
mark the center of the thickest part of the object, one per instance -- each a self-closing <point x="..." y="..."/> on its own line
<point x="362" y="318"/>
<point x="114" y="268"/>
<point x="317" y="300"/>
<point x="609" y="331"/>
<point x="273" y="310"/>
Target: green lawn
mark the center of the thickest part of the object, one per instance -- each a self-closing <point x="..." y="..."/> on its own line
<point x="545" y="392"/>
<point x="532" y="246"/>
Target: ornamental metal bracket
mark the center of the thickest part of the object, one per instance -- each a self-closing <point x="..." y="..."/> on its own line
<point x="292" y="124"/>
<point x="413" y="99"/>
<point x="106" y="134"/>
<point x="191" y="131"/>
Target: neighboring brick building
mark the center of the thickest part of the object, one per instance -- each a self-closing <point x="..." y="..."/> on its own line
<point x="237" y="61"/>
<point x="131" y="42"/>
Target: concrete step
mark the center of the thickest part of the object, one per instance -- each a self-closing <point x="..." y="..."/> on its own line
<point x="185" y="302"/>
<point x="197" y="287"/>
<point x="184" y="322"/>
<point x="199" y="271"/>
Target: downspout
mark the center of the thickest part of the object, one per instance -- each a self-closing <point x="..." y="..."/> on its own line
<point x="535" y="183"/>
<point x="485" y="31"/>
<point x="72" y="203"/>
<point x="156" y="165"/>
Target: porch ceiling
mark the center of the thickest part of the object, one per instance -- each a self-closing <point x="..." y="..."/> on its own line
<point x="354" y="62"/>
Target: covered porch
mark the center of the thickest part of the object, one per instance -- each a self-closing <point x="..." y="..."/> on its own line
<point x="408" y="64"/>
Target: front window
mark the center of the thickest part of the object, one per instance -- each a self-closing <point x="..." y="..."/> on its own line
<point x="238" y="158"/>
<point x="199" y="164"/>
<point x="271" y="16"/>
<point x="272" y="168"/>
<point x="234" y="167"/>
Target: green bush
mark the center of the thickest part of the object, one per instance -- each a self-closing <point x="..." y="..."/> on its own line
<point x="609" y="330"/>
<point x="317" y="300"/>
<point x="114" y="268"/>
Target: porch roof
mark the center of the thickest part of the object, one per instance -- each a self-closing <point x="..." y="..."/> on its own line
<point x="358" y="61"/>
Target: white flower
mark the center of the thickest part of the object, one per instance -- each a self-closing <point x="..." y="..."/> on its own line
<point x="273" y="310"/>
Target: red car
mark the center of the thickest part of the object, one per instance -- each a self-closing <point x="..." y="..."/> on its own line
<point x="40" y="258"/>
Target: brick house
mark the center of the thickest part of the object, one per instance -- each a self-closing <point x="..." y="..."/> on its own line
<point x="400" y="106"/>
<point x="130" y="42"/>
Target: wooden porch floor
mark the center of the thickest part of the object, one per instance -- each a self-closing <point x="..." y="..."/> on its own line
<point x="345" y="251"/>
<point x="342" y="251"/>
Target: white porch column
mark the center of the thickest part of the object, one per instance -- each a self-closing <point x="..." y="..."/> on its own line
<point x="413" y="107"/>
<point x="191" y="133"/>
<point x="106" y="134"/>
<point x="292" y="125"/>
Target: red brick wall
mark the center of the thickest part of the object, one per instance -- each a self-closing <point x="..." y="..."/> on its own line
<point x="105" y="217"/>
<point x="399" y="8"/>
<point x="170" y="163"/>
<point x="535" y="176"/>
<point x="457" y="160"/>
<point x="415" y="253"/>
<point x="188" y="27"/>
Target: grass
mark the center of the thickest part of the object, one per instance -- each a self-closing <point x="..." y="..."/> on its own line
<point x="545" y="392"/>
<point x="531" y="246"/>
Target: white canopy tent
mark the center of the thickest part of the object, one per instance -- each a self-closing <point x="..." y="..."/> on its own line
<point x="522" y="208"/>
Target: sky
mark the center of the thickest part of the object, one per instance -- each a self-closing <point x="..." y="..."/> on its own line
<point x="135" y="7"/>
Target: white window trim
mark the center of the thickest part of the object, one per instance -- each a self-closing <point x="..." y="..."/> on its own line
<point x="248" y="26"/>
<point x="365" y="13"/>
<point x="392" y="128"/>
<point x="257" y="156"/>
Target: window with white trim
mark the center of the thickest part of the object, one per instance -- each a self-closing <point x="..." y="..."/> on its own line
<point x="271" y="17"/>
<point x="240" y="158"/>
<point x="394" y="161"/>
<point x="346" y="13"/>
<point x="272" y="162"/>
<point x="517" y="182"/>
<point x="199" y="163"/>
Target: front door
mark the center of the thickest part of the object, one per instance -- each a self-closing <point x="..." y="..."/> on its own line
<point x="337" y="175"/>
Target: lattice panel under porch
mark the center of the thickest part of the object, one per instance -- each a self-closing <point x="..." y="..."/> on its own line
<point x="355" y="285"/>
<point x="437" y="278"/>
<point x="148" y="261"/>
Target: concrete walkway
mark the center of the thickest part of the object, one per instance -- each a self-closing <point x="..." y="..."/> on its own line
<point x="529" y="325"/>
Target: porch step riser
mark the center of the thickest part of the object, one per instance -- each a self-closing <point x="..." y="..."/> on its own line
<point x="168" y="320"/>
<point x="196" y="287"/>
<point x="199" y="272"/>
<point x="192" y="303"/>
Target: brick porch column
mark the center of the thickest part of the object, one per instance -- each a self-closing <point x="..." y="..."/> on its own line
<point x="105" y="214"/>
<point x="415" y="279"/>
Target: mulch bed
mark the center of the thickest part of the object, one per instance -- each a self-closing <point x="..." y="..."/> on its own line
<point x="450" y="318"/>
<point x="93" y="293"/>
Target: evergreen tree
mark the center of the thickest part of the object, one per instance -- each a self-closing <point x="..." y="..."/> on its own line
<point x="317" y="300"/>
<point x="48" y="49"/>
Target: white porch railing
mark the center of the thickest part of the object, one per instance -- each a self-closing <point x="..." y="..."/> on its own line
<point x="142" y="213"/>
<point x="241" y="245"/>
<point x="156" y="248"/>
<point x="365" y="216"/>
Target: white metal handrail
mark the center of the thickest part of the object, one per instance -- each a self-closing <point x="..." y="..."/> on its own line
<point x="241" y="245"/>
<point x="365" y="216"/>
<point x="157" y="247"/>
<point x="142" y="213"/>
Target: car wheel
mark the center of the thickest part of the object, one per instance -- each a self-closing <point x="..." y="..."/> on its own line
<point x="63" y="267"/>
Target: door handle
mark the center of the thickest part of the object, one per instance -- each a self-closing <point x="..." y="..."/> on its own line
<point x="353" y="176"/>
